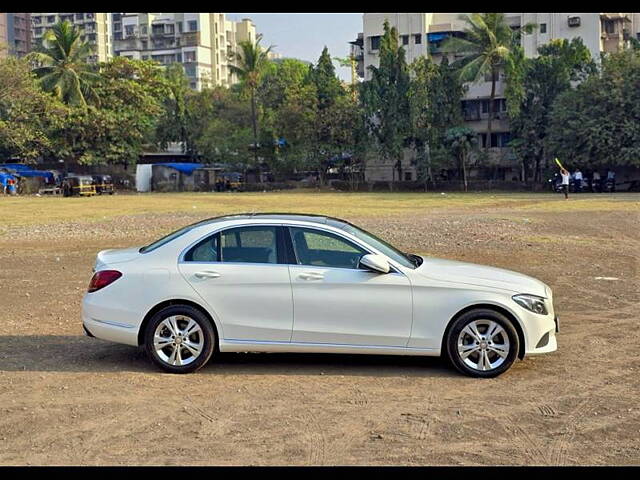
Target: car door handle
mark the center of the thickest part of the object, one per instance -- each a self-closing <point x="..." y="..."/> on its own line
<point x="207" y="274"/>
<point x="311" y="276"/>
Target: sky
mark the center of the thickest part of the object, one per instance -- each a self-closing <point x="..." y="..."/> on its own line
<point x="304" y="35"/>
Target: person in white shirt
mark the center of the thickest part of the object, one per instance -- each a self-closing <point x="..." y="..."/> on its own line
<point x="578" y="180"/>
<point x="564" y="173"/>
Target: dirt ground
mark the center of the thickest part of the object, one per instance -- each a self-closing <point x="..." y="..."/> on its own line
<point x="68" y="399"/>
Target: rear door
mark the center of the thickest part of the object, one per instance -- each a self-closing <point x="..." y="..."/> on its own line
<point x="241" y="275"/>
<point x="335" y="302"/>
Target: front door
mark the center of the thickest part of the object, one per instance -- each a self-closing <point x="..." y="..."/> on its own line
<point x="240" y="274"/>
<point x="335" y="302"/>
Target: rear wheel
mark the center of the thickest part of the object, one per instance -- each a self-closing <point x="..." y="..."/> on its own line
<point x="179" y="339"/>
<point x="482" y="343"/>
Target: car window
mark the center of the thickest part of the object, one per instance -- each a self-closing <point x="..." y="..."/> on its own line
<point x="249" y="245"/>
<point x="204" y="251"/>
<point x="324" y="249"/>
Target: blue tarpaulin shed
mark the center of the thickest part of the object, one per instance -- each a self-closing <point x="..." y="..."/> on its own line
<point x="186" y="168"/>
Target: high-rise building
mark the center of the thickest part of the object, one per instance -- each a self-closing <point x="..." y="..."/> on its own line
<point x="15" y="34"/>
<point x="423" y="33"/>
<point x="95" y="28"/>
<point x="203" y="42"/>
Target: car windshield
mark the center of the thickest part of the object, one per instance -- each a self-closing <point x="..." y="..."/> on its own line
<point x="405" y="259"/>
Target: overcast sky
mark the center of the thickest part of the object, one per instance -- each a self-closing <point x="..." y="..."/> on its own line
<point x="304" y="35"/>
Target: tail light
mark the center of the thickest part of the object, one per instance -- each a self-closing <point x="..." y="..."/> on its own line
<point x="103" y="278"/>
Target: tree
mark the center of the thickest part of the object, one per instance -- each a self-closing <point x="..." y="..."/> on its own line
<point x="559" y="64"/>
<point x="461" y="140"/>
<point x="61" y="65"/>
<point x="323" y="76"/>
<point x="219" y="123"/>
<point x="596" y="124"/>
<point x="130" y="93"/>
<point x="250" y="63"/>
<point x="435" y="95"/>
<point x="27" y="115"/>
<point x="172" y="126"/>
<point x="487" y="46"/>
<point x="385" y="100"/>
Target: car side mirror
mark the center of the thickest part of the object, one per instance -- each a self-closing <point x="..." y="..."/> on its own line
<point x="376" y="263"/>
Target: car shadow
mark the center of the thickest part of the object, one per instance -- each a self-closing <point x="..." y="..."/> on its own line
<point x="78" y="353"/>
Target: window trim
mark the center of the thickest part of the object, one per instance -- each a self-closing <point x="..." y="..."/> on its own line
<point x="394" y="269"/>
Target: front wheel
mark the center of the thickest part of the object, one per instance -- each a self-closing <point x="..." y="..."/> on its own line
<point x="179" y="339"/>
<point x="482" y="343"/>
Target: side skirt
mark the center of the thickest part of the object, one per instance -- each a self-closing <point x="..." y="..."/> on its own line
<point x="259" y="346"/>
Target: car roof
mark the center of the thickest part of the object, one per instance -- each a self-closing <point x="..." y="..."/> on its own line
<point x="299" y="217"/>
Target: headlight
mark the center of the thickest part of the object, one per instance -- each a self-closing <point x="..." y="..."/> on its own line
<point x="532" y="303"/>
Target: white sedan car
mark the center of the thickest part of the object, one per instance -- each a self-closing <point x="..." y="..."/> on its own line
<point x="305" y="283"/>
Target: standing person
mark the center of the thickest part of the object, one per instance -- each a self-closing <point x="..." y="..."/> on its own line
<point x="611" y="177"/>
<point x="578" y="180"/>
<point x="595" y="181"/>
<point x="564" y="173"/>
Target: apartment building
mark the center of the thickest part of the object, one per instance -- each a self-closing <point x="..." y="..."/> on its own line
<point x="15" y="34"/>
<point x="204" y="43"/>
<point x="423" y="33"/>
<point x="95" y="28"/>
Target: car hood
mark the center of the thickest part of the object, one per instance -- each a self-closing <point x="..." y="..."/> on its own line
<point x="117" y="255"/>
<point x="481" y="275"/>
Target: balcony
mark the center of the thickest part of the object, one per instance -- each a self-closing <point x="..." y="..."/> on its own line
<point x="190" y="39"/>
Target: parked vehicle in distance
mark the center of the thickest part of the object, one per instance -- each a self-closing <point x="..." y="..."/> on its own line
<point x="78" y="185"/>
<point x="305" y="283"/>
<point x="103" y="184"/>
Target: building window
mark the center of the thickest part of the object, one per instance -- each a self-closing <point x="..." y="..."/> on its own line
<point x="609" y="26"/>
<point x="51" y="19"/>
<point x="145" y="57"/>
<point x="90" y="16"/>
<point x="375" y="42"/>
<point x="128" y="29"/>
<point x="178" y="57"/>
<point x="407" y="176"/>
<point x="543" y="28"/>
<point x="143" y="29"/>
<point x="117" y="17"/>
<point x="193" y="25"/>
<point x="117" y="36"/>
<point x="117" y="27"/>
<point x="189" y="56"/>
<point x="405" y="39"/>
<point x="79" y="16"/>
<point x="417" y="38"/>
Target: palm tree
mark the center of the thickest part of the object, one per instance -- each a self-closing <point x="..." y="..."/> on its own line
<point x="250" y="62"/>
<point x="487" y="46"/>
<point x="61" y="65"/>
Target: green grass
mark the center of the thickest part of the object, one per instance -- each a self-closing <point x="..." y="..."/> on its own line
<point x="29" y="210"/>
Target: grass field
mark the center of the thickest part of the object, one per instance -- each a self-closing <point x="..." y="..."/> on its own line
<point x="31" y="210"/>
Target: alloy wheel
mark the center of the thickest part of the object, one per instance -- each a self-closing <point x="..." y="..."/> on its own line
<point x="483" y="345"/>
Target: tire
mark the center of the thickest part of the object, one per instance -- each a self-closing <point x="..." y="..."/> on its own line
<point x="177" y="355"/>
<point x="473" y="334"/>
